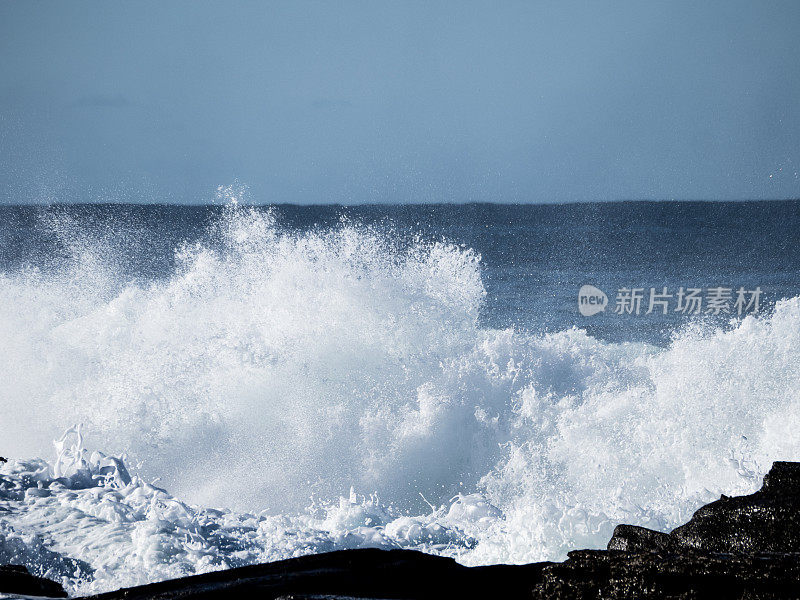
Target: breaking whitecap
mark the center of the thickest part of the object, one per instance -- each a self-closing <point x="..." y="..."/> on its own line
<point x="274" y="371"/>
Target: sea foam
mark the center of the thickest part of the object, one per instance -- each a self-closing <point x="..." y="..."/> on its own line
<point x="300" y="392"/>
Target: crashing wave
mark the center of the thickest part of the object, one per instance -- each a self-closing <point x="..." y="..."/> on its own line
<point x="275" y="370"/>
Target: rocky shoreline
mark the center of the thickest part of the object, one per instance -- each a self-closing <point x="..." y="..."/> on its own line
<point x="737" y="547"/>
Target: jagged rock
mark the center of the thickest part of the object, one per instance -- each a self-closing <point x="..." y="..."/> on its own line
<point x="587" y="574"/>
<point x="766" y="521"/>
<point x="744" y="548"/>
<point x="688" y="575"/>
<point x="15" y="579"/>
<point x="631" y="538"/>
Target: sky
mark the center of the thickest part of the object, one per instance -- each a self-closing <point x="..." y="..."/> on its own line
<point x="354" y="102"/>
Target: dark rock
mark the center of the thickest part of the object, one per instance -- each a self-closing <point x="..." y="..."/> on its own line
<point x="363" y="573"/>
<point x="783" y="477"/>
<point x="744" y="548"/>
<point x="688" y="575"/>
<point x="632" y="538"/>
<point x="587" y="574"/>
<point x="766" y="521"/>
<point x="15" y="579"/>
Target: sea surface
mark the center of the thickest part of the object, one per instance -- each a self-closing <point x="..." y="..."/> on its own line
<point x="189" y="388"/>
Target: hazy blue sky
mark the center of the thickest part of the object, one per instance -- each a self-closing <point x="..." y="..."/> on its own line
<point x="399" y="102"/>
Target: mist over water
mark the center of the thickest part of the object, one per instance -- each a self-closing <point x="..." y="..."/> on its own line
<point x="295" y="363"/>
<point x="292" y="373"/>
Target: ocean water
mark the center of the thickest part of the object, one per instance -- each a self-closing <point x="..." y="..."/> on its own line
<point x="185" y="389"/>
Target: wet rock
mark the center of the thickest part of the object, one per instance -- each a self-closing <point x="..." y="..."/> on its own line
<point x="766" y="521"/>
<point x="686" y="575"/>
<point x="587" y="574"/>
<point x="744" y="548"/>
<point x="631" y="538"/>
<point x="15" y="579"/>
<point x="362" y="573"/>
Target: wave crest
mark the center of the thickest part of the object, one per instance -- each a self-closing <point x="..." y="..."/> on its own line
<point x="274" y="369"/>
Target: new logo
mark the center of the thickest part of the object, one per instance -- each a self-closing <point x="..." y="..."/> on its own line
<point x="591" y="300"/>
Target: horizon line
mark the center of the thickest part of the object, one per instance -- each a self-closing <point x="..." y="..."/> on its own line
<point x="395" y="204"/>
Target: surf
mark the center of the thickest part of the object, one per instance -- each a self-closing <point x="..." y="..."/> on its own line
<point x="281" y="392"/>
